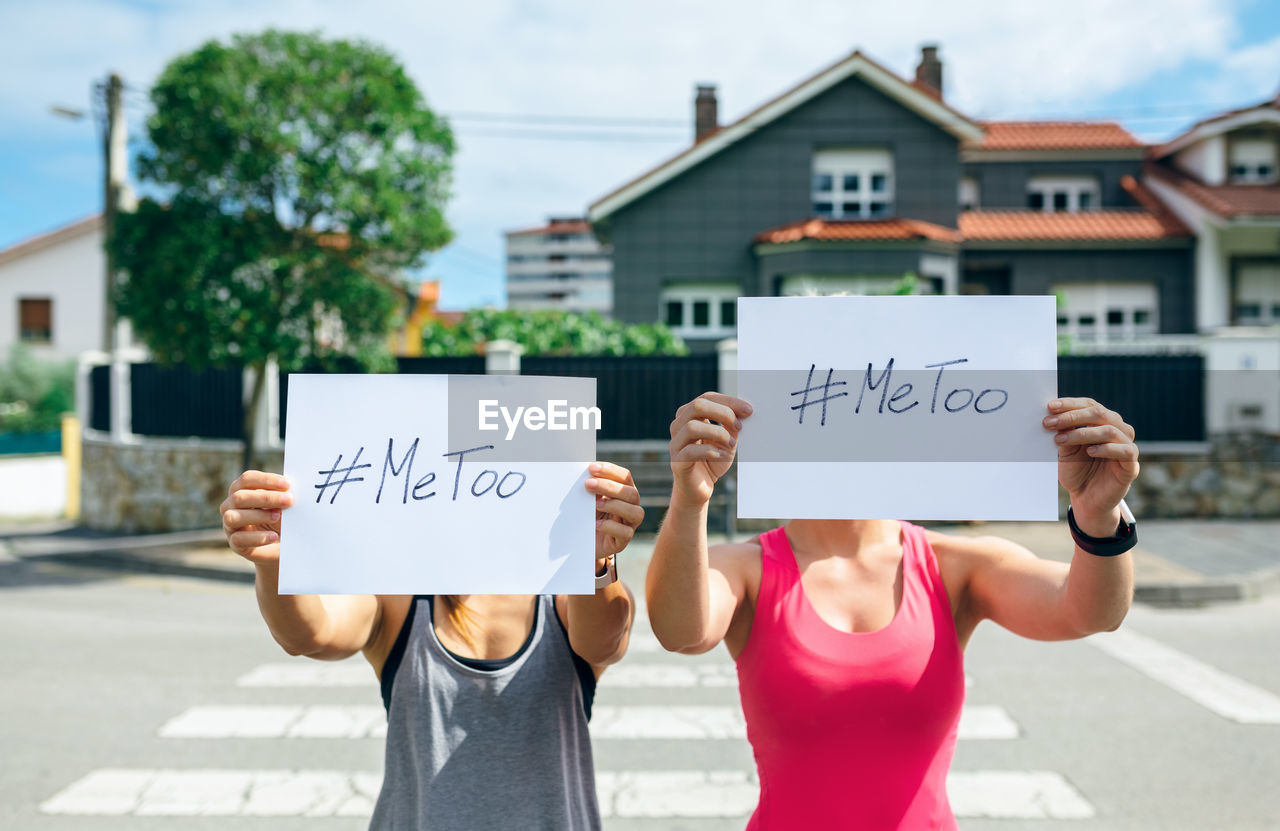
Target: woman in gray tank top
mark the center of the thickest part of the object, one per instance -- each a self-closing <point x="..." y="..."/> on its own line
<point x="487" y="696"/>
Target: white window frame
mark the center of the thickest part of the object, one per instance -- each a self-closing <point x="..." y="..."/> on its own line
<point x="1257" y="283"/>
<point x="969" y="194"/>
<point x="1081" y="301"/>
<point x="712" y="293"/>
<point x="1072" y="186"/>
<point x="860" y="165"/>
<point x="1252" y="161"/>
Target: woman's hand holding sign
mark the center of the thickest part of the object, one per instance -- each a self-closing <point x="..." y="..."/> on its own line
<point x="1097" y="460"/>
<point x="704" y="439"/>
<point x="251" y="515"/>
<point x="618" y="511"/>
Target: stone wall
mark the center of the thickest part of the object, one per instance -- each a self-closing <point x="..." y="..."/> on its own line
<point x="158" y="484"/>
<point x="1239" y="477"/>
<point x="177" y="484"/>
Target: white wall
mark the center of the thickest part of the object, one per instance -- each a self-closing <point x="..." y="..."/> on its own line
<point x="70" y="273"/>
<point x="33" y="486"/>
<point x="1206" y="160"/>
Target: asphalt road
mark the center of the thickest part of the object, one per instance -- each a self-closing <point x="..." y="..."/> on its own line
<point x="115" y="705"/>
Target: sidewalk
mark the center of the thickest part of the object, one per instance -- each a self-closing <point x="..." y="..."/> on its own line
<point x="1178" y="562"/>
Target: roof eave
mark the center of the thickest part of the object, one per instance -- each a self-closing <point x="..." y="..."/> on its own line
<point x="1216" y="126"/>
<point x="962" y="127"/>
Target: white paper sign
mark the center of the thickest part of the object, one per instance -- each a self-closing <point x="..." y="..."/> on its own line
<point x="433" y="484"/>
<point x="897" y="408"/>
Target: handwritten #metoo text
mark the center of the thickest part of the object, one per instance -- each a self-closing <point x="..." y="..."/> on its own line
<point x="903" y="398"/>
<point x="502" y="485"/>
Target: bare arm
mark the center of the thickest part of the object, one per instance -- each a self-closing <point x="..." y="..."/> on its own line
<point x="599" y="625"/>
<point x="1097" y="462"/>
<point x="693" y="593"/>
<point x="327" y="627"/>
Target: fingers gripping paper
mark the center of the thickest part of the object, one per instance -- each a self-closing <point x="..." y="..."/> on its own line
<point x="421" y="484"/>
<point x="897" y="407"/>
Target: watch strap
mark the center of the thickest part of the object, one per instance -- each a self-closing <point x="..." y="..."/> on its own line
<point x="610" y="574"/>
<point x="1125" y="538"/>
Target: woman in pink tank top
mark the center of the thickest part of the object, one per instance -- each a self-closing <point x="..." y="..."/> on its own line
<point x="849" y="634"/>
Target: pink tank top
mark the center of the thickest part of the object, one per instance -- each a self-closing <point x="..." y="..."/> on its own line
<point x="852" y="730"/>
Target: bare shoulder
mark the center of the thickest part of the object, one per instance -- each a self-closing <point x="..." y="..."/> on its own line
<point x="961" y="557"/>
<point x="737" y="560"/>
<point x="970" y="551"/>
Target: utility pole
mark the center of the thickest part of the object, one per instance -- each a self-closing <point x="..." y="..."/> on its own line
<point x="114" y="142"/>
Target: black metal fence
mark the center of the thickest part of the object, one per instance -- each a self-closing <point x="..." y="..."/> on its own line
<point x="175" y="401"/>
<point x="100" y="398"/>
<point x="461" y="365"/>
<point x="1162" y="396"/>
<point x="637" y="395"/>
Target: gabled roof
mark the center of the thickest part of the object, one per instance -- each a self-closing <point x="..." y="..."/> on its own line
<point x="1056" y="135"/>
<point x="1227" y="201"/>
<point x="927" y="106"/>
<point x="862" y="230"/>
<point x="50" y="238"/>
<point x="1085" y="226"/>
<point x="1268" y="112"/>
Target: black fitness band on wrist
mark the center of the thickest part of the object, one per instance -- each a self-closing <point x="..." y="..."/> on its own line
<point x="1126" y="537"/>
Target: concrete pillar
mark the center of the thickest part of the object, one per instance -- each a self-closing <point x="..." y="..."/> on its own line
<point x="727" y="360"/>
<point x="1213" y="283"/>
<point x="502" y="357"/>
<point x="267" y="427"/>
<point x="122" y="361"/>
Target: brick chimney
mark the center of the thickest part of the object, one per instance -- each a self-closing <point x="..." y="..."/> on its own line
<point x="929" y="72"/>
<point x="705" y="118"/>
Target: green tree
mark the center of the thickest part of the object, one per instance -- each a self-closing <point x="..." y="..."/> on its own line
<point x="33" y="393"/>
<point x="549" y="332"/>
<point x="297" y="177"/>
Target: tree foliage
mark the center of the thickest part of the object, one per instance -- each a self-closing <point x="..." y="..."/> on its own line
<point x="295" y="177"/>
<point x="298" y="175"/>
<point x="548" y="332"/>
<point x="33" y="393"/>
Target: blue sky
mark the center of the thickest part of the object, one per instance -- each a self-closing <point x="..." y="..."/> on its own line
<point x="1154" y="65"/>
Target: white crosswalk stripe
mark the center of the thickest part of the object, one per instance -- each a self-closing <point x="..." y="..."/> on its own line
<point x="639" y="794"/>
<point x="607" y="723"/>
<point x="1206" y="685"/>
<point x="306" y="673"/>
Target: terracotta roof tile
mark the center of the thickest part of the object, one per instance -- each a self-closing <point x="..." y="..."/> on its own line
<point x="869" y="230"/>
<point x="1082" y="226"/>
<point x="1056" y="135"/>
<point x="575" y="226"/>
<point x="1227" y="201"/>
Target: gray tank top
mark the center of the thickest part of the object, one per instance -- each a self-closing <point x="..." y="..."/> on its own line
<point x="471" y="749"/>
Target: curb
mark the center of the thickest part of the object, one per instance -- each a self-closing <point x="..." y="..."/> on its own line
<point x="1211" y="590"/>
<point x="161" y="554"/>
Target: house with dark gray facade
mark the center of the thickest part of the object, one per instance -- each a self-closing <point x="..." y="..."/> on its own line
<point x="856" y="177"/>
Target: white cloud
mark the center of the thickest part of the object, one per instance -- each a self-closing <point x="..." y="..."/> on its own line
<point x="634" y="59"/>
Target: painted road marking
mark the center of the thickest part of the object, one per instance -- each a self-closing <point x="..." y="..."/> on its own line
<point x="1206" y="685"/>
<point x="314" y="722"/>
<point x="647" y="795"/>
<point x="1021" y="794"/>
<point x="658" y="722"/>
<point x="263" y="793"/>
<point x="607" y="722"/>
<point x="308" y="673"/>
